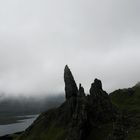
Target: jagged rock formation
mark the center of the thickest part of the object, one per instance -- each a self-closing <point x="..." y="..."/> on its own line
<point x="100" y="101"/>
<point x="81" y="92"/>
<point x="71" y="89"/>
<point x="78" y="118"/>
<point x="96" y="87"/>
<point x="87" y="110"/>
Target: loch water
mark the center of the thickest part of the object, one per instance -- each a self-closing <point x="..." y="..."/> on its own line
<point x="17" y="127"/>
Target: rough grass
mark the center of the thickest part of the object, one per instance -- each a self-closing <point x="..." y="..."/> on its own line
<point x="101" y="133"/>
<point x="44" y="130"/>
<point x="52" y="134"/>
<point x="130" y="105"/>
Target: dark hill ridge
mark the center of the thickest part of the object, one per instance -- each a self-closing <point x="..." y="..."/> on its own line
<point x="18" y="106"/>
<point x="128" y="102"/>
<point x="81" y="117"/>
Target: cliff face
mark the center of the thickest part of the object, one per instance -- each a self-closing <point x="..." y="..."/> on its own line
<point x="86" y="112"/>
<point x="80" y="117"/>
<point x="71" y="89"/>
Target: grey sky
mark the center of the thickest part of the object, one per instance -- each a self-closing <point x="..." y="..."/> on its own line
<point x="96" y="38"/>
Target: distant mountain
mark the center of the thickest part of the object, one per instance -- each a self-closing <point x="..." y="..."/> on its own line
<point x="97" y="116"/>
<point x="138" y="84"/>
<point x="31" y="105"/>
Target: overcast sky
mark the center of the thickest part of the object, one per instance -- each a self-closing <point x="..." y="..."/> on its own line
<point x="96" y="38"/>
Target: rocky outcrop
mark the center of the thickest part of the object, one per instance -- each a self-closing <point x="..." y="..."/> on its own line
<point x="81" y="92"/>
<point x="78" y="118"/>
<point x="96" y="86"/>
<point x="86" y="111"/>
<point x="101" y="103"/>
<point x="71" y="89"/>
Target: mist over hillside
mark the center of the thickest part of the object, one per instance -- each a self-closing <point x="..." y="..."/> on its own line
<point x="23" y="105"/>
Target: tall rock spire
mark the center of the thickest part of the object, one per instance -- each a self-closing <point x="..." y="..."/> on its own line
<point x="81" y="91"/>
<point x="96" y="86"/>
<point x="100" y="101"/>
<point x="70" y="84"/>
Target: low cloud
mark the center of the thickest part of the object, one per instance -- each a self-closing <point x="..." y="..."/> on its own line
<point x="95" y="38"/>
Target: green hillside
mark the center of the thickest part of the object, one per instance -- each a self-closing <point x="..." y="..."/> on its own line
<point x="128" y="103"/>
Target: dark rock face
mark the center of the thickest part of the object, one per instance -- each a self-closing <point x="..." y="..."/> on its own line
<point x="101" y="103"/>
<point x="80" y="116"/>
<point x="96" y="86"/>
<point x="70" y="84"/>
<point x="81" y="91"/>
<point x="85" y="111"/>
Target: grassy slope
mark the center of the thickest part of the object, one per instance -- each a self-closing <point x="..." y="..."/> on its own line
<point x="101" y="133"/>
<point x="44" y="130"/>
<point x="128" y="101"/>
<point x="55" y="132"/>
<point x="49" y="127"/>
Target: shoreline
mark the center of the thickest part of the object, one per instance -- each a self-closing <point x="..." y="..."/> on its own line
<point x="10" y="136"/>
